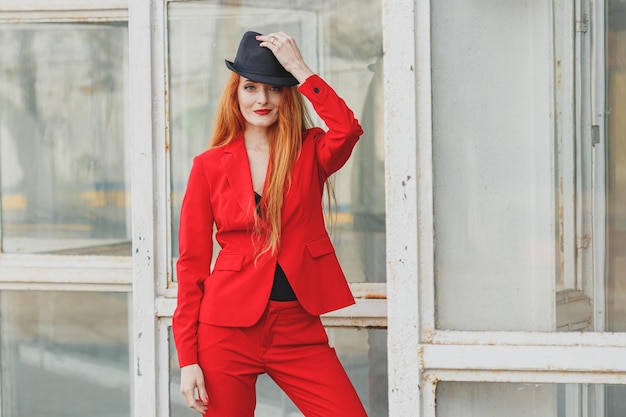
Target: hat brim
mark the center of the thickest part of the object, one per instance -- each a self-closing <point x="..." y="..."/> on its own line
<point x="262" y="78"/>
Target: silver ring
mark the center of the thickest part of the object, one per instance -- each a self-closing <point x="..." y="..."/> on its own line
<point x="273" y="41"/>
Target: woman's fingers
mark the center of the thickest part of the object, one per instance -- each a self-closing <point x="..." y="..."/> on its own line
<point x="193" y="403"/>
<point x="192" y="381"/>
<point x="283" y="46"/>
<point x="286" y="51"/>
<point x="204" y="397"/>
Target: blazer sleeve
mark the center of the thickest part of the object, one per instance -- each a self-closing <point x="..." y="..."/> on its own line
<point x="195" y="237"/>
<point x="334" y="146"/>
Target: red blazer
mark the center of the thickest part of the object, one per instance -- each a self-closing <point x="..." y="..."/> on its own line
<point x="219" y="192"/>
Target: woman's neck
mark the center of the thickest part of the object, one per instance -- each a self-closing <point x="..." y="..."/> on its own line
<point x="256" y="139"/>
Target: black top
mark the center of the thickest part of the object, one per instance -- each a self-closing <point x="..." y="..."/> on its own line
<point x="281" y="290"/>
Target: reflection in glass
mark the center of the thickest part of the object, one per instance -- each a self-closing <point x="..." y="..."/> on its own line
<point x="358" y="351"/>
<point x="616" y="158"/>
<point x="489" y="399"/>
<point x="472" y="399"/>
<point x="342" y="41"/>
<point x="494" y="201"/>
<point x="63" y="138"/>
<point x="64" y="354"/>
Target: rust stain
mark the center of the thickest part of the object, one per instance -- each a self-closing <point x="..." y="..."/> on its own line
<point x="166" y="97"/>
<point x="373" y="296"/>
<point x="585" y="241"/>
<point x="428" y="336"/>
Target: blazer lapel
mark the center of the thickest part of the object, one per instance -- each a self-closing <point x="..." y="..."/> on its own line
<point x="237" y="170"/>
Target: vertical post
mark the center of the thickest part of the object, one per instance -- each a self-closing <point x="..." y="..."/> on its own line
<point x="401" y="178"/>
<point x="600" y="163"/>
<point x="143" y="219"/>
<point x="148" y="190"/>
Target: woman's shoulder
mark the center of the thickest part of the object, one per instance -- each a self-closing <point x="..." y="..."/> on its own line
<point x="216" y="152"/>
<point x="210" y="153"/>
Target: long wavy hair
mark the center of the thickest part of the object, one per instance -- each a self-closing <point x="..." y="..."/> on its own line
<point x="285" y="144"/>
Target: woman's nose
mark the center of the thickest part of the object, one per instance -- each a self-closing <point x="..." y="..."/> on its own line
<point x="263" y="95"/>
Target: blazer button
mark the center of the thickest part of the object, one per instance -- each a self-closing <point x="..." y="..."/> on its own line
<point x="317" y="90"/>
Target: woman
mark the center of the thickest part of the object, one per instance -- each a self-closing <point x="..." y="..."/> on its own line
<point x="261" y="185"/>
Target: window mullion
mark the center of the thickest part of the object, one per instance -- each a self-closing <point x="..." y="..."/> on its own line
<point x="545" y="360"/>
<point x="407" y="172"/>
<point x="62" y="5"/>
<point x="148" y="199"/>
<point x="30" y="271"/>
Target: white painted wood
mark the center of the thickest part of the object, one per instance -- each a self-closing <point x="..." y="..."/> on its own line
<point x="585" y="339"/>
<point x="401" y="182"/>
<point x="428" y="393"/>
<point x="114" y="15"/>
<point x="507" y="358"/>
<point x="536" y="377"/>
<point x="425" y="209"/>
<point x="58" y="269"/>
<point x="63" y="286"/>
<point x="369" y="290"/>
<point x="165" y="286"/>
<point x="598" y="117"/>
<point x="365" y="313"/>
<point x="50" y="5"/>
<point x="564" y="68"/>
<point x="585" y="199"/>
<point x="145" y="213"/>
<point x="160" y="148"/>
<point x="13" y="11"/>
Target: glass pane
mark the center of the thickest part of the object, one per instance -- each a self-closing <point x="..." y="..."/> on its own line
<point x="363" y="354"/>
<point x="487" y="399"/>
<point x="64" y="138"/>
<point x="616" y="158"/>
<point x="470" y="399"/>
<point x="494" y="200"/>
<point x="342" y="41"/>
<point x="496" y="399"/>
<point x="64" y="354"/>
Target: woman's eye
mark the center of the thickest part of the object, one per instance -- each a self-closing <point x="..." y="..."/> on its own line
<point x="275" y="88"/>
<point x="249" y="87"/>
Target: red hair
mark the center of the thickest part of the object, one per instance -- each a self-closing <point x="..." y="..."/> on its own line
<point x="285" y="143"/>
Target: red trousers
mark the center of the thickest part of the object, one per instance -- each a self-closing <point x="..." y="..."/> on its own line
<point x="288" y="344"/>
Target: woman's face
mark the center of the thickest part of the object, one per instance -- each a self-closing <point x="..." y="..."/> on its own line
<point x="258" y="103"/>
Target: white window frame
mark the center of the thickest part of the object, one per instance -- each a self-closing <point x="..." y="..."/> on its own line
<point x="525" y="357"/>
<point x="46" y="272"/>
<point x="64" y="272"/>
<point x="63" y="10"/>
<point x="419" y="355"/>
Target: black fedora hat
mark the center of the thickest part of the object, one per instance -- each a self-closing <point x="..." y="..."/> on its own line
<point x="259" y="64"/>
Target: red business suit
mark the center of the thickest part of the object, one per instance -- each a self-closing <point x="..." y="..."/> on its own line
<point x="219" y="192"/>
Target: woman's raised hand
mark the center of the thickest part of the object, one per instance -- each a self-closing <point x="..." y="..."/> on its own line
<point x="287" y="53"/>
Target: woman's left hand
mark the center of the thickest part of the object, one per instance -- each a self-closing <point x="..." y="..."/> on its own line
<point x="287" y="53"/>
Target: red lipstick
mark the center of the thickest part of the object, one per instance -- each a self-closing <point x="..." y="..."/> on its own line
<point x="262" y="111"/>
